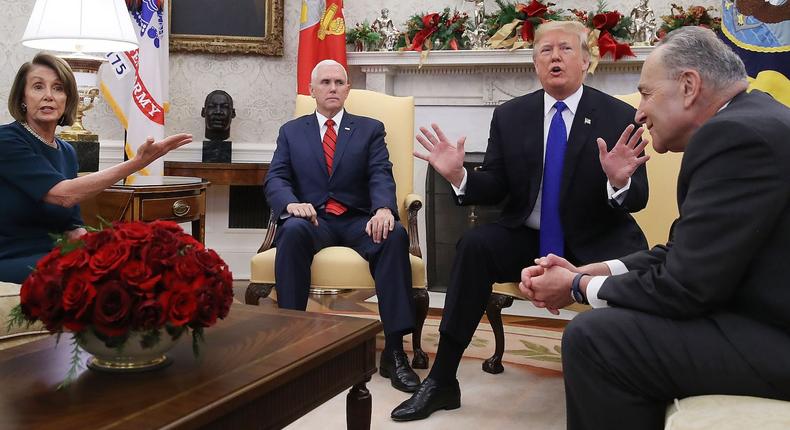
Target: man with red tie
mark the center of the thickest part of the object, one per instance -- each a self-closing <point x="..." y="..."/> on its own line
<point x="330" y="182"/>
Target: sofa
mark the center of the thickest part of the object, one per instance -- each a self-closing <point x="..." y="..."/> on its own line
<point x="12" y="336"/>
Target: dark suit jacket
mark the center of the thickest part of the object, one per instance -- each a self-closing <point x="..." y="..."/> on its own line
<point x="730" y="247"/>
<point x="513" y="168"/>
<point x="361" y="170"/>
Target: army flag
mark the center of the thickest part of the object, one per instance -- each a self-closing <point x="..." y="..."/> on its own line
<point x="322" y="36"/>
<point x="759" y="31"/>
<point x="135" y="83"/>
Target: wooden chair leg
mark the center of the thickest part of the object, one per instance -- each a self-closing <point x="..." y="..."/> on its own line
<point x="256" y="291"/>
<point x="496" y="303"/>
<point x="420" y="360"/>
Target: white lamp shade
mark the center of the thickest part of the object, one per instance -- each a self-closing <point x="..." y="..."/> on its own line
<point x="80" y="26"/>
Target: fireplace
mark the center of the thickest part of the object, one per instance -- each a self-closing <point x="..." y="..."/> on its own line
<point x="446" y="222"/>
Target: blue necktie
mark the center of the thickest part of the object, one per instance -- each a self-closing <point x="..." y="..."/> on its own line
<point x="551" y="236"/>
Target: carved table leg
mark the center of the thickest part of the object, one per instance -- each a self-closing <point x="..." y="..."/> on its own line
<point x="359" y="404"/>
<point x="255" y="292"/>
<point x="494" y="312"/>
<point x="420" y="360"/>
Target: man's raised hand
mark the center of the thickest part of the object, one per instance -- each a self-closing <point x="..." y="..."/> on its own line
<point x="624" y="158"/>
<point x="444" y="157"/>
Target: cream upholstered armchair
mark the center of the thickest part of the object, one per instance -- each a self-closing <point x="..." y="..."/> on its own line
<point x="340" y="267"/>
<point x="655" y="220"/>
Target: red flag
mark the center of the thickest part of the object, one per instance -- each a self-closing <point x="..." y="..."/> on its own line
<point x="322" y="36"/>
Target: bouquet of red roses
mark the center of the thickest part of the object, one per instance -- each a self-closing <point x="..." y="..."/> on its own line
<point x="128" y="277"/>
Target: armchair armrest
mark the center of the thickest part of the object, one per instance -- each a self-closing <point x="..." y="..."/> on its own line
<point x="413" y="204"/>
<point x="271" y="229"/>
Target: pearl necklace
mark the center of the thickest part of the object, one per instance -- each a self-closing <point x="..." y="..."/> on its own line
<point x="53" y="144"/>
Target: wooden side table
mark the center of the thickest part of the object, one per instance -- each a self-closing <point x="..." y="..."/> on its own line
<point x="220" y="173"/>
<point x="149" y="198"/>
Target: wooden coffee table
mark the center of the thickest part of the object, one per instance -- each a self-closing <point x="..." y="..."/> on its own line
<point x="259" y="368"/>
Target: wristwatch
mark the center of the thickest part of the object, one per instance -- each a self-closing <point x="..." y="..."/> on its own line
<point x="576" y="292"/>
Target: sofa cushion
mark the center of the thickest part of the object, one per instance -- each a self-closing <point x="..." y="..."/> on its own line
<point x="333" y="267"/>
<point x="722" y="412"/>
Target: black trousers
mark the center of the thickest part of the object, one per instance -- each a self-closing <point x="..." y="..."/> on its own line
<point x="297" y="241"/>
<point x="622" y="367"/>
<point x="484" y="255"/>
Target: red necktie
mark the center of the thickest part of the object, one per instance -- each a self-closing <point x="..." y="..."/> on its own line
<point x="330" y="138"/>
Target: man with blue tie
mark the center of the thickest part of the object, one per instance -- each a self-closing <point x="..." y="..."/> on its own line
<point x="330" y="182"/>
<point x="543" y="156"/>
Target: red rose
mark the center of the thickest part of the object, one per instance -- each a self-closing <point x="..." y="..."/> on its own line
<point x="109" y="257"/>
<point x="170" y="226"/>
<point x="207" y="307"/>
<point x="75" y="259"/>
<point x="77" y="298"/>
<point x="50" y="258"/>
<point x="181" y="306"/>
<point x="162" y="249"/>
<point x="189" y="240"/>
<point x="224" y="298"/>
<point x="111" y="309"/>
<point x="187" y="266"/>
<point x="95" y="240"/>
<point x="133" y="232"/>
<point x="148" y="315"/>
<point x="209" y="260"/>
<point x="138" y="273"/>
<point x="32" y="296"/>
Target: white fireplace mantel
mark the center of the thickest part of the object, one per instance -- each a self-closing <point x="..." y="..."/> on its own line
<point x="475" y="77"/>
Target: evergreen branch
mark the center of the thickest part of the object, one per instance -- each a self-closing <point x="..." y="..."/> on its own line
<point x="76" y="362"/>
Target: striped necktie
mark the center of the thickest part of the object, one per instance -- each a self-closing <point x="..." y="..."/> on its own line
<point x="330" y="139"/>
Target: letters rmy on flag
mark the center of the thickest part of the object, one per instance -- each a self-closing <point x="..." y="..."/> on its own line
<point x="759" y="32"/>
<point x="135" y="83"/>
<point x="322" y="36"/>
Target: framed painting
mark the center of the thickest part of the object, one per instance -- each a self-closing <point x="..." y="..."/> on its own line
<point x="226" y="27"/>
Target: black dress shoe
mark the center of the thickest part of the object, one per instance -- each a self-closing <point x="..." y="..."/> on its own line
<point x="430" y="396"/>
<point x="395" y="366"/>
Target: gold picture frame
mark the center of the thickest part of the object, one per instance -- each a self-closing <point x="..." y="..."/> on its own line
<point x="187" y="32"/>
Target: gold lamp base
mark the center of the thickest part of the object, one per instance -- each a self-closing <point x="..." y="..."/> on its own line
<point x="86" y="69"/>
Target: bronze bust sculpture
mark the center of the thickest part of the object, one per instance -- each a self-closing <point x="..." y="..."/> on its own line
<point x="218" y="111"/>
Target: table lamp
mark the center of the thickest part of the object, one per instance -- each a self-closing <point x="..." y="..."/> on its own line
<point x="78" y="27"/>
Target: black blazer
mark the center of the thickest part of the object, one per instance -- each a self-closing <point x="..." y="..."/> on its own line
<point x="513" y="168"/>
<point x="729" y="249"/>
<point x="361" y="169"/>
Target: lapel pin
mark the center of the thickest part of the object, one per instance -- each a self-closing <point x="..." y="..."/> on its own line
<point x="346" y="128"/>
<point x="587" y="121"/>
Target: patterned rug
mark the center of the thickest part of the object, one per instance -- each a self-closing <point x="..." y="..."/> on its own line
<point x="534" y="347"/>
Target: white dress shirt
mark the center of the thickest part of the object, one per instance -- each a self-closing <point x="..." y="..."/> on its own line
<point x="322" y="122"/>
